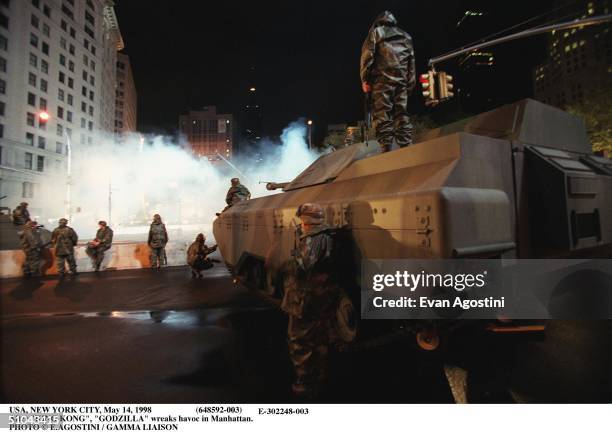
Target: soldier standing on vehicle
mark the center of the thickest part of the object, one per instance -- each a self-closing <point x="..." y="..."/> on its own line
<point x="158" y="238"/>
<point x="312" y="293"/>
<point x="197" y="256"/>
<point x="32" y="246"/>
<point x="64" y="238"/>
<point x="102" y="242"/>
<point x="388" y="71"/>
<point x="21" y="215"/>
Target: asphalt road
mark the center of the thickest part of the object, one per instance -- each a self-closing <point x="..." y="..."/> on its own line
<point x="143" y="336"/>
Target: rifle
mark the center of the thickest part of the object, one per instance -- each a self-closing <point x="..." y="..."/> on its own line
<point x="367" y="108"/>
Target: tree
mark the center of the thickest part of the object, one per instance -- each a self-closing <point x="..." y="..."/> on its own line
<point x="597" y="114"/>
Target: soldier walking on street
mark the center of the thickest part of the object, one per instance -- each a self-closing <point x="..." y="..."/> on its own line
<point x="312" y="293"/>
<point x="158" y="238"/>
<point x="102" y="242"/>
<point x="32" y="246"/>
<point x="197" y="256"/>
<point x="388" y="71"/>
<point x="64" y="238"/>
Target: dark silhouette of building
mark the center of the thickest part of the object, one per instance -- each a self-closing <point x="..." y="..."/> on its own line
<point x="251" y="117"/>
<point x="476" y="70"/>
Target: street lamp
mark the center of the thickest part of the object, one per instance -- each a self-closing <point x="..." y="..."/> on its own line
<point x="309" y="123"/>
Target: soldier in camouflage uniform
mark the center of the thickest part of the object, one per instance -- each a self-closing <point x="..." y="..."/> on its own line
<point x="311" y="298"/>
<point x="197" y="256"/>
<point x="158" y="238"/>
<point x="64" y="238"/>
<point x="237" y="193"/>
<point x="32" y="247"/>
<point x="21" y="215"/>
<point x="388" y="71"/>
<point x="102" y="242"/>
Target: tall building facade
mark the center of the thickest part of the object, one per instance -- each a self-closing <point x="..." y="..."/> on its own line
<point x="250" y="119"/>
<point x="57" y="90"/>
<point x="477" y="72"/>
<point x="579" y="61"/>
<point x="208" y="134"/>
<point x="125" y="102"/>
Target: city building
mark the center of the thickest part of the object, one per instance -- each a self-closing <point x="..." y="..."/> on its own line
<point x="57" y="91"/>
<point x="125" y="102"/>
<point x="250" y="117"/>
<point x="579" y="61"/>
<point x="476" y="70"/>
<point x="208" y="134"/>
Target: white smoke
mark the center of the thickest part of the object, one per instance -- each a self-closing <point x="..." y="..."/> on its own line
<point x="129" y="182"/>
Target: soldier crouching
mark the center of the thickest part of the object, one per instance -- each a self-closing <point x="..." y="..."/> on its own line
<point x="311" y="299"/>
<point x="197" y="256"/>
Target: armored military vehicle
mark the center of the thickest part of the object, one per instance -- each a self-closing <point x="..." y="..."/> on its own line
<point x="519" y="181"/>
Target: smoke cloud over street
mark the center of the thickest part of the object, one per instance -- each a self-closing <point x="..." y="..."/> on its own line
<point x="129" y="182"/>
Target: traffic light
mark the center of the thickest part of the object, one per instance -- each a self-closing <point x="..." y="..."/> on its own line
<point x="445" y="83"/>
<point x="428" y="83"/>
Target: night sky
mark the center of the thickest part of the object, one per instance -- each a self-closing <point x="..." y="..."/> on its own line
<point x="188" y="54"/>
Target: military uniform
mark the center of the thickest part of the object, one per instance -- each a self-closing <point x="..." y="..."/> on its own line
<point x="31" y="245"/>
<point x="311" y="298"/>
<point x="95" y="250"/>
<point x="388" y="65"/>
<point x="197" y="256"/>
<point x="158" y="238"/>
<point x="237" y="193"/>
<point x="21" y="215"/>
<point x="64" y="238"/>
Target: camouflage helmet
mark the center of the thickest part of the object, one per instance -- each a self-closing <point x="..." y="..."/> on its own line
<point x="235" y="181"/>
<point x="311" y="213"/>
<point x="63" y="221"/>
<point x="23" y="204"/>
<point x="102" y="222"/>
